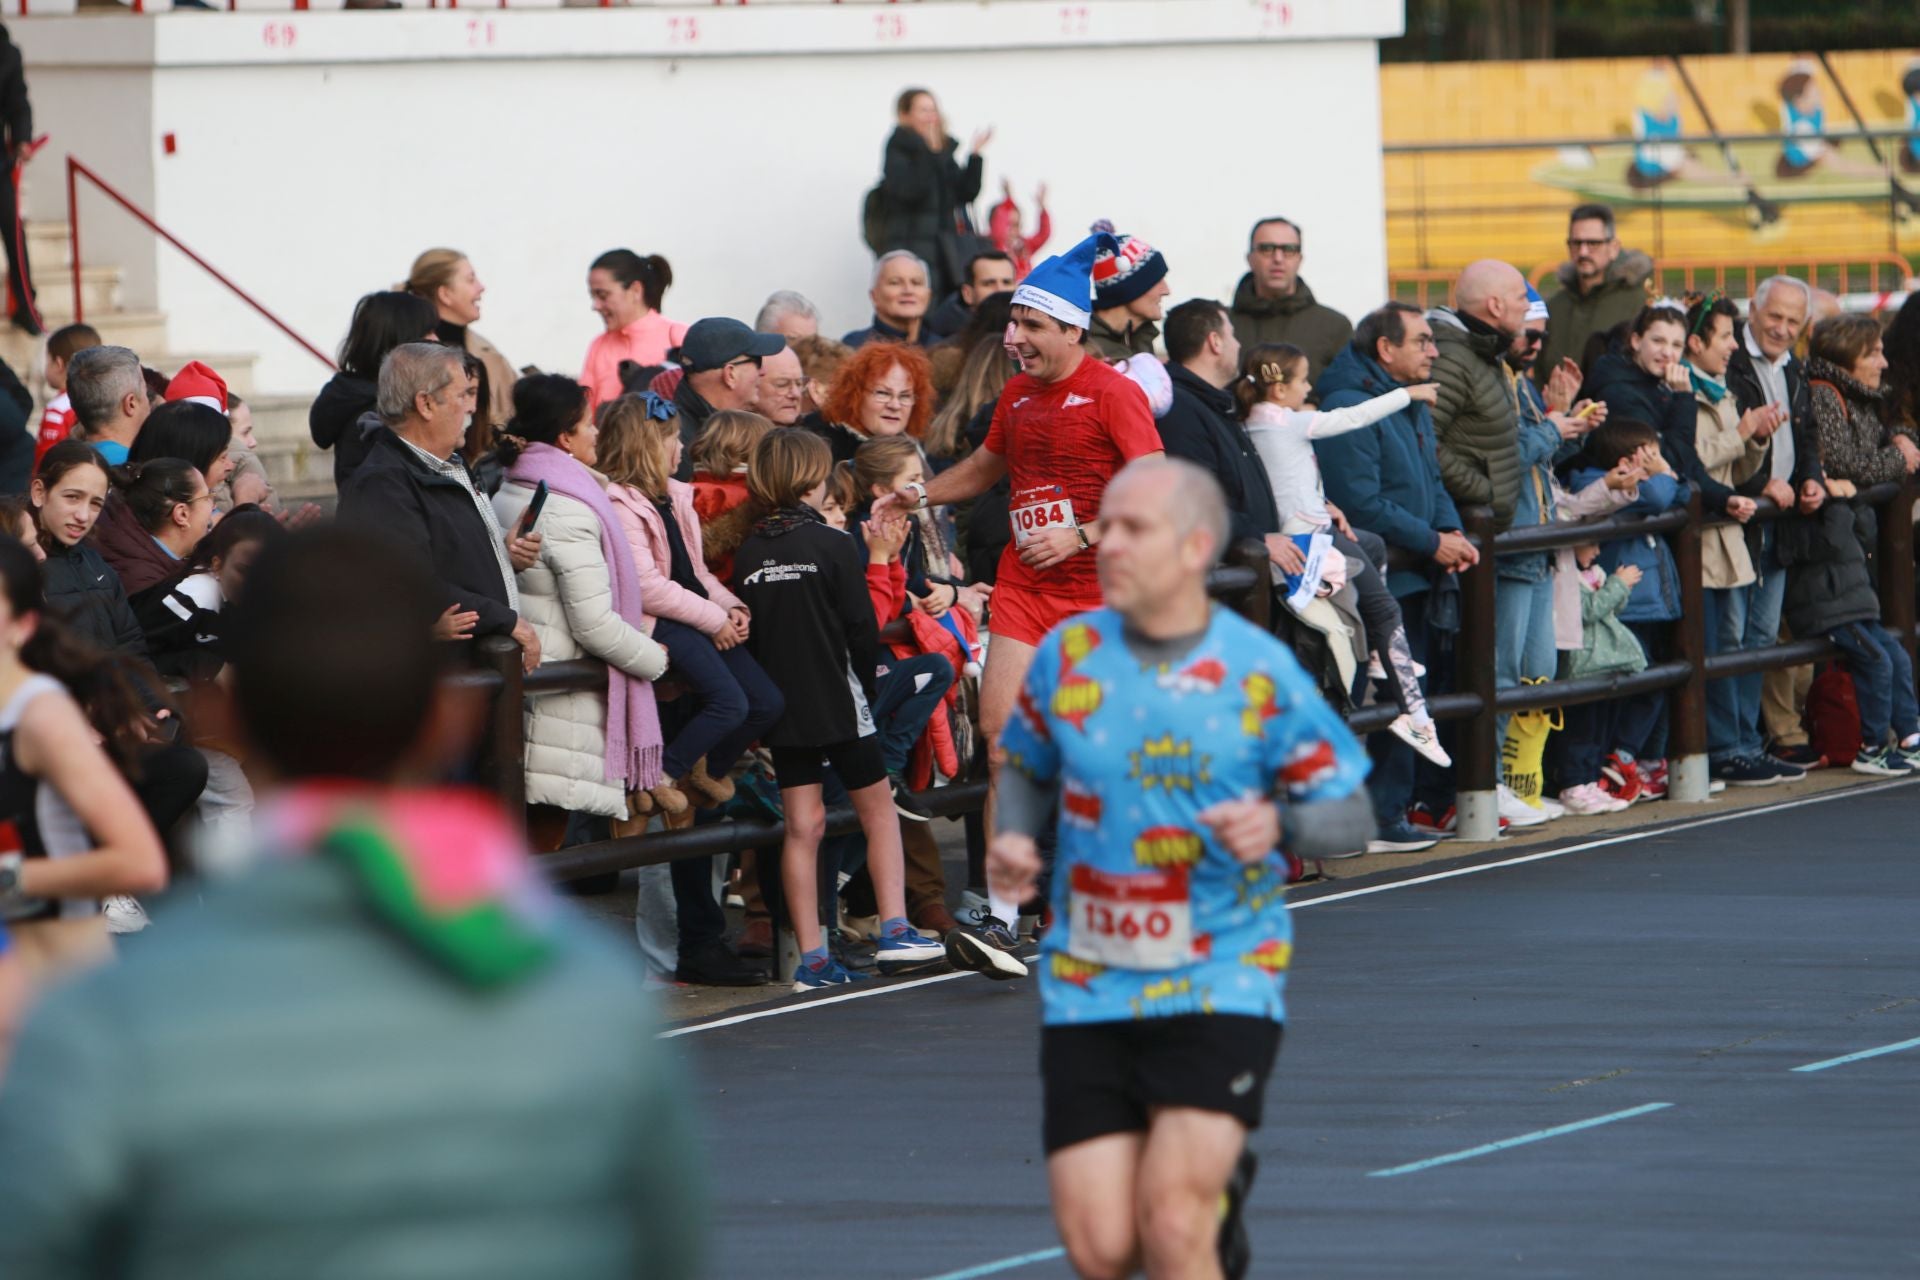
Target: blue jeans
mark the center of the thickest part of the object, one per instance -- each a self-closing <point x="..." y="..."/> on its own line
<point x="903" y="702"/>
<point x="1882" y="681"/>
<point x="733" y="700"/>
<point x="1523" y="646"/>
<point x="1742" y="618"/>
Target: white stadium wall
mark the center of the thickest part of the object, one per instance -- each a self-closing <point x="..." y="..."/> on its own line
<point x="313" y="153"/>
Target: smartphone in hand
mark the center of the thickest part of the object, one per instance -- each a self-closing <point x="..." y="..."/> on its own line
<point x="532" y="513"/>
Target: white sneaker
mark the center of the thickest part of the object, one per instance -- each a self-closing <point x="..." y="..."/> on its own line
<point x="1423" y="739"/>
<point x="1518" y="811"/>
<point x="1588" y="798"/>
<point x="1552" y="808"/>
<point x="124" y="914"/>
<point x="1375" y="671"/>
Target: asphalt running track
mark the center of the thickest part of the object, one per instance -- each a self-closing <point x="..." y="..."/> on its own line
<point x="1692" y="1051"/>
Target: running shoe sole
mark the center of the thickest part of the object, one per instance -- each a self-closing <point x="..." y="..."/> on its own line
<point x="964" y="951"/>
<point x="1236" y="1250"/>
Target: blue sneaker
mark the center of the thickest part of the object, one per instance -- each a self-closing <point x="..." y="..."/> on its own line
<point x="830" y="974"/>
<point x="907" y="951"/>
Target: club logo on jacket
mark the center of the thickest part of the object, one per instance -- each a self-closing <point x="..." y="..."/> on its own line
<point x="778" y="573"/>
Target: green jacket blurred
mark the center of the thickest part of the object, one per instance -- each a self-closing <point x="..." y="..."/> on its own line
<point x="277" y="1083"/>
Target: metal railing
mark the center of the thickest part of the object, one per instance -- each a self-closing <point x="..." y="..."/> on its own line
<point x="1244" y="584"/>
<point x="77" y="170"/>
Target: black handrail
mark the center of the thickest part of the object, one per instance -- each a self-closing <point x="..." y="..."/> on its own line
<point x="1243" y="582"/>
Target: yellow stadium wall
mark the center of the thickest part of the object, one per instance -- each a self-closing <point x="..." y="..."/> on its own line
<point x="1445" y="209"/>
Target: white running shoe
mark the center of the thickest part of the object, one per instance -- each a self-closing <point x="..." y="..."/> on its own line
<point x="1518" y="811"/>
<point x="1551" y="807"/>
<point x="124" y="914"/>
<point x="1425" y="739"/>
<point x="1588" y="798"/>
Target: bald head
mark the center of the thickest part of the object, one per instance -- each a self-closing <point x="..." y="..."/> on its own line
<point x="1493" y="292"/>
<point x="1187" y="494"/>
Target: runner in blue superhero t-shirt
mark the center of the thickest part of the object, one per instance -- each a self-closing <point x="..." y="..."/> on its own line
<point x="1184" y="747"/>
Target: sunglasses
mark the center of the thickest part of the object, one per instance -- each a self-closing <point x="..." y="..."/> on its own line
<point x="1534" y="337"/>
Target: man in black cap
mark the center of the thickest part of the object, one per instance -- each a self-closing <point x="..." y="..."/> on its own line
<point x="721" y="358"/>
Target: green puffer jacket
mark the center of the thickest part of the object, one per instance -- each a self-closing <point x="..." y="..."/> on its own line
<point x="1300" y="319"/>
<point x="1606" y="646"/>
<point x="1573" y="318"/>
<point x="1477" y="416"/>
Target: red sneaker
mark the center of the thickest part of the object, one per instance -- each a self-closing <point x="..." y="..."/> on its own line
<point x="1422" y="817"/>
<point x="1620" y="779"/>
<point x="1653" y="781"/>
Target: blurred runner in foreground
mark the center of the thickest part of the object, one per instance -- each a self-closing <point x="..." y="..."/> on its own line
<point x="385" y="1050"/>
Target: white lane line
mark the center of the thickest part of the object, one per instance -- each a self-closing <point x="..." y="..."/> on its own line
<point x="860" y="994"/>
<point x="1624" y="838"/>
<point x="1538" y="1135"/>
<point x="1004" y="1264"/>
<point x="1864" y="1053"/>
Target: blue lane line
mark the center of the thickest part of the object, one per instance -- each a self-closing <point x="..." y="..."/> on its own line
<point x="1005" y="1264"/>
<point x="1864" y="1053"/>
<point x="1537" y="1136"/>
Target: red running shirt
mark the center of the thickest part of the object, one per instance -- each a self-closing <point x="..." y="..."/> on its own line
<point x="56" y="424"/>
<point x="1063" y="441"/>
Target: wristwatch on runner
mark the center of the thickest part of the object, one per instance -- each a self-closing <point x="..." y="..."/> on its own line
<point x="1080" y="531"/>
<point x="12" y="901"/>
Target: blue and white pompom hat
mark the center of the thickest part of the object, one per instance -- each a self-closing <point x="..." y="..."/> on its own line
<point x="1536" y="306"/>
<point x="1062" y="286"/>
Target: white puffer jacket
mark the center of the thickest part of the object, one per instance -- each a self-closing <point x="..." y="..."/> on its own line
<point x="567" y="597"/>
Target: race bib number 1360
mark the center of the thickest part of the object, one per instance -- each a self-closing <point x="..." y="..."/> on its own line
<point x="1142" y="920"/>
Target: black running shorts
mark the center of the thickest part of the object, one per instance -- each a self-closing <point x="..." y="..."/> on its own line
<point x="859" y="763"/>
<point x="1103" y="1077"/>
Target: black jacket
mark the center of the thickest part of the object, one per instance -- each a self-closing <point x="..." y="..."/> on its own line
<point x="183" y="639"/>
<point x="881" y="331"/>
<point x="949" y="318"/>
<point x="843" y="441"/>
<point x="1750" y="393"/>
<point x="1201" y="428"/>
<point x="814" y="632"/>
<point x="926" y="194"/>
<point x="16" y="113"/>
<point x="432" y="518"/>
<point x="693" y="409"/>
<point x="987" y="527"/>
<point x="1828" y="582"/>
<point x="83" y="591"/>
<point x="334" y="421"/>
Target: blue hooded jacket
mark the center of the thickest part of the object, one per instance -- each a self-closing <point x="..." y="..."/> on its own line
<point x="1387" y="477"/>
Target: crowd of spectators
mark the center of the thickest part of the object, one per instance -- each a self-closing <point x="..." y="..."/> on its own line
<point x="637" y="514"/>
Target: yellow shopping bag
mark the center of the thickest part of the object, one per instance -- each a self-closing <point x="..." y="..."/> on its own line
<point x="1521" y="755"/>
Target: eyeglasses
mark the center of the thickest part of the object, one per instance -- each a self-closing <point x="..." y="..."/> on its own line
<point x="1286" y="250"/>
<point x="883" y="395"/>
<point x="784" y="384"/>
<point x="1577" y="245"/>
<point x="1424" y="341"/>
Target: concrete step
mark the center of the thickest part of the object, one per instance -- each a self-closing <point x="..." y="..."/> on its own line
<point x="49" y="250"/>
<point x="280" y="418"/>
<point x="299" y="470"/>
<point x="99" y="293"/>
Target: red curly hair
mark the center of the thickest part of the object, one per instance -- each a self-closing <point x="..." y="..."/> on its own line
<point x="864" y="371"/>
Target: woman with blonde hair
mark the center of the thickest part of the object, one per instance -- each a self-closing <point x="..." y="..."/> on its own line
<point x="445" y="278"/>
<point x="728" y="700"/>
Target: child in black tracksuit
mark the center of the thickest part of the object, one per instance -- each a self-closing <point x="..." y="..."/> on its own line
<point x="813" y="633"/>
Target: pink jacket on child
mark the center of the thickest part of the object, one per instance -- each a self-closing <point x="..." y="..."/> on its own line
<point x="646" y="533"/>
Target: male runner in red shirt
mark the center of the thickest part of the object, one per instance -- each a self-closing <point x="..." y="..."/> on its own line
<point x="1065" y="425"/>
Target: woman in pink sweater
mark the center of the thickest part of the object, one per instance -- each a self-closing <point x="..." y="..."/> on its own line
<point x="627" y="292"/>
<point x="701" y="624"/>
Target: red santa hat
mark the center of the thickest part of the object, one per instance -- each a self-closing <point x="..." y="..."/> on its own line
<point x="197" y="384"/>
